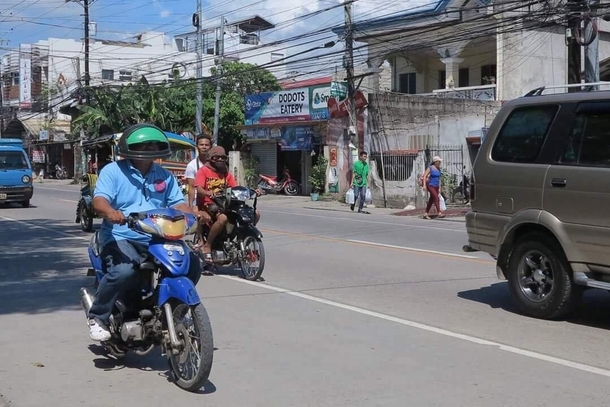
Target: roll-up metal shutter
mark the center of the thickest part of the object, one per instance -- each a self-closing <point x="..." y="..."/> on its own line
<point x="267" y="155"/>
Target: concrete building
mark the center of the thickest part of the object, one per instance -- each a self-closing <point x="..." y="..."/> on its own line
<point x="37" y="79"/>
<point x="438" y="75"/>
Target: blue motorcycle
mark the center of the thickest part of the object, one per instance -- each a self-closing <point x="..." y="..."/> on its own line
<point x="166" y="311"/>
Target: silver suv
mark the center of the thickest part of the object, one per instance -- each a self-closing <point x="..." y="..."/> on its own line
<point x="541" y="198"/>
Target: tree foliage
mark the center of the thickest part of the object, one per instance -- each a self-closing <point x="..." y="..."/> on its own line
<point x="172" y="106"/>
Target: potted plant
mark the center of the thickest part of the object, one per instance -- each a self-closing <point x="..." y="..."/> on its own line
<point x="317" y="179"/>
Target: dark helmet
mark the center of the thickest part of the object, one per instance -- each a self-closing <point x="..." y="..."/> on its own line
<point x="134" y="137"/>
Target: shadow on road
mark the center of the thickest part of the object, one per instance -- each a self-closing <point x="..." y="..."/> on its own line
<point x="151" y="362"/>
<point x="41" y="271"/>
<point x="592" y="311"/>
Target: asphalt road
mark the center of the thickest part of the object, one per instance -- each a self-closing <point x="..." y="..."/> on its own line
<point x="355" y="310"/>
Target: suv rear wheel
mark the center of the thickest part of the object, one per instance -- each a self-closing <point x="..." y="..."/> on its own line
<point x="539" y="278"/>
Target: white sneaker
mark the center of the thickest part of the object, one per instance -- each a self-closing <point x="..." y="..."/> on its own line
<point x="98" y="332"/>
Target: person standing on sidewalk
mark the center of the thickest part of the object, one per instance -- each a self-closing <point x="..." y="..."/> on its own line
<point x="432" y="182"/>
<point x="360" y="177"/>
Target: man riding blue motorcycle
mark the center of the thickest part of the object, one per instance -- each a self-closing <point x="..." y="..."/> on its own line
<point x="135" y="184"/>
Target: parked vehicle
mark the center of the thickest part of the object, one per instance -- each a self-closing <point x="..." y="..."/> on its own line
<point x="60" y="172"/>
<point x="241" y="242"/>
<point x="268" y="183"/>
<point x="169" y="312"/>
<point x="540" y="194"/>
<point x="182" y="149"/>
<point x="15" y="173"/>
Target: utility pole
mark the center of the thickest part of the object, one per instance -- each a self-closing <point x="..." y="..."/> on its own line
<point x="220" y="48"/>
<point x="87" y="75"/>
<point x="592" y="51"/>
<point x="80" y="161"/>
<point x="349" y="66"/>
<point x="199" y="95"/>
<point x="574" y="49"/>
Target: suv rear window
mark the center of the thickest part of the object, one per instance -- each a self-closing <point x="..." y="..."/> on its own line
<point x="589" y="142"/>
<point x="523" y="134"/>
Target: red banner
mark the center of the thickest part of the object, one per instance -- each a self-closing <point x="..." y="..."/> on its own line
<point x="340" y="109"/>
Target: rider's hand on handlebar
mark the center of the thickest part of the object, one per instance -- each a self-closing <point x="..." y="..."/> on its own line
<point x="116" y="217"/>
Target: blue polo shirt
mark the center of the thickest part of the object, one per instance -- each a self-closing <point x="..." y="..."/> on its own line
<point x="129" y="191"/>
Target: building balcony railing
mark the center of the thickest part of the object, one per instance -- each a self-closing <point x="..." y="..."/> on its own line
<point x="482" y="92"/>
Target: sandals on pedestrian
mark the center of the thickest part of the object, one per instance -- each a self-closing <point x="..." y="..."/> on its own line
<point x="427" y="217"/>
<point x="441" y="216"/>
<point x="207" y="257"/>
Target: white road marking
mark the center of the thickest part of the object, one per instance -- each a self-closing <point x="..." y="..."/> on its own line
<point x="413" y="249"/>
<point x="58" y="189"/>
<point x="403" y="225"/>
<point x="401" y="321"/>
<point x="468" y="338"/>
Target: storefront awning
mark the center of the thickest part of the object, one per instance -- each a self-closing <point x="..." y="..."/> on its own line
<point x="35" y="125"/>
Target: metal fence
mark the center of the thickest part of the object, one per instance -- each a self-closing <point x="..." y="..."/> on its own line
<point x="397" y="166"/>
<point x="452" y="167"/>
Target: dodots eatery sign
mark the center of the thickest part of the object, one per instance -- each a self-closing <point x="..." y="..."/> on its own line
<point x="275" y="107"/>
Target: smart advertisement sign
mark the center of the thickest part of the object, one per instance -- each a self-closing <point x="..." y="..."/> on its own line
<point x="293" y="105"/>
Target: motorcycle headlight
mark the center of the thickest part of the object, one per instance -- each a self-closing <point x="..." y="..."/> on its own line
<point x="26" y="179"/>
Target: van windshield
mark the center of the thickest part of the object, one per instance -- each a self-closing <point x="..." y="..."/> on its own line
<point x="13" y="160"/>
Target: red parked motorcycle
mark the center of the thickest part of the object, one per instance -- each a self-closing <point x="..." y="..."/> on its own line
<point x="267" y="183"/>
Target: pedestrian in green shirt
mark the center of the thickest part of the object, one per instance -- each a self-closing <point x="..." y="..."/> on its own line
<point x="360" y="178"/>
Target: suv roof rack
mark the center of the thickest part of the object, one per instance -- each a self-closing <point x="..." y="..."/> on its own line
<point x="588" y="87"/>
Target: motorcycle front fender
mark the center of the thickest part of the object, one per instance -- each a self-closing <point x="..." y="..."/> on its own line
<point x="250" y="230"/>
<point x="179" y="288"/>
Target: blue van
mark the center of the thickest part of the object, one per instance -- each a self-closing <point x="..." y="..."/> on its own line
<point x="15" y="173"/>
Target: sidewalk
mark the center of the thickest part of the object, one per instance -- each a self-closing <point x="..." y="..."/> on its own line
<point x="305" y="202"/>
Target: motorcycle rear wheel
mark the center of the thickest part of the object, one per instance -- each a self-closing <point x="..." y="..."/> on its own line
<point x="249" y="272"/>
<point x="200" y="359"/>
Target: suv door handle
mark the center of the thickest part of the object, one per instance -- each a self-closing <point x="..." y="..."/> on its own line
<point x="559" y="182"/>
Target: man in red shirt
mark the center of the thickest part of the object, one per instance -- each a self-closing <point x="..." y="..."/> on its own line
<point x="211" y="179"/>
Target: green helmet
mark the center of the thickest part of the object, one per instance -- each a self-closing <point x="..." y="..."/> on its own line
<point x="134" y="139"/>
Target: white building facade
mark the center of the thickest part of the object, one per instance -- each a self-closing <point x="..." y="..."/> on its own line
<point x="55" y="67"/>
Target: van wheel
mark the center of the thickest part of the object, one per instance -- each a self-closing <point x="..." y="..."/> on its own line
<point x="539" y="278"/>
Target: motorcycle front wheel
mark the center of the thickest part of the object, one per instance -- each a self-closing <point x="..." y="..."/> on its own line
<point x="252" y="261"/>
<point x="192" y="366"/>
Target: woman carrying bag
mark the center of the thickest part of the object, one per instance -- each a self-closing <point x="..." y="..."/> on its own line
<point x="431" y="180"/>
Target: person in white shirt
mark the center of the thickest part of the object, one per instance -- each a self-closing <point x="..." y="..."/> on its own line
<point x="204" y="143"/>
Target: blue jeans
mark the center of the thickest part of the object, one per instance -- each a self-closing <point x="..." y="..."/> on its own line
<point x="359" y="192"/>
<point x="120" y="261"/>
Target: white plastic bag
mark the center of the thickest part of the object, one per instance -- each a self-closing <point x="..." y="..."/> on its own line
<point x="368" y="199"/>
<point x="349" y="197"/>
<point x="442" y="203"/>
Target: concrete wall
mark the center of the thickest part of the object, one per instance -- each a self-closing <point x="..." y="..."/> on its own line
<point x="399" y="194"/>
<point x="410" y="122"/>
<point x="530" y="59"/>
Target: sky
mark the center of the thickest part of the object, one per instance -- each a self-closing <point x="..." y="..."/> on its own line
<point x="27" y="21"/>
